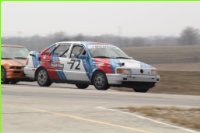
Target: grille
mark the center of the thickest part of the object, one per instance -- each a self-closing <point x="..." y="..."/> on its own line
<point x="16" y="67"/>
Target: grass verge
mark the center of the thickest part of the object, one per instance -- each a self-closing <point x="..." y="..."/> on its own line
<point x="187" y="117"/>
<point x="170" y="54"/>
<point x="178" y="82"/>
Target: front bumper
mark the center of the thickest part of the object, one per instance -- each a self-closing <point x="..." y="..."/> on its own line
<point x="14" y="74"/>
<point x="118" y="79"/>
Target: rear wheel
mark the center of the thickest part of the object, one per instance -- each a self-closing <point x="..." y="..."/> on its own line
<point x="82" y="86"/>
<point x="100" y="81"/>
<point x="4" y="80"/>
<point x="43" y="78"/>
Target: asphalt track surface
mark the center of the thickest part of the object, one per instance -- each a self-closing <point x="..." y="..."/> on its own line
<point x="61" y="108"/>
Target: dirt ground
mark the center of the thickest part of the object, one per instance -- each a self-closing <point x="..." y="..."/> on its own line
<point x="178" y="82"/>
<point x="187" y="117"/>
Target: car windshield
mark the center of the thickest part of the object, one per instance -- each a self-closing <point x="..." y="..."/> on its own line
<point x="14" y="53"/>
<point x="106" y="51"/>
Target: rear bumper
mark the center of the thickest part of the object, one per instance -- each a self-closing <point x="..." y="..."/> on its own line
<point x="118" y="79"/>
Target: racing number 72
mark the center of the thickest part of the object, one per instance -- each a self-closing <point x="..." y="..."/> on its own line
<point x="72" y="62"/>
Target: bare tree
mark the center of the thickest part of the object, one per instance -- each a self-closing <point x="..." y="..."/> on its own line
<point x="190" y="36"/>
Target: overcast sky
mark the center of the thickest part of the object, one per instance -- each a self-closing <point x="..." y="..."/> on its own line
<point x="124" y="19"/>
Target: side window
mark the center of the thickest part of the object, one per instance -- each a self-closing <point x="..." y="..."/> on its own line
<point x="77" y="51"/>
<point x="61" y="50"/>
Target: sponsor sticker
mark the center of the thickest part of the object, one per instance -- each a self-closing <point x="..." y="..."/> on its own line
<point x="59" y="66"/>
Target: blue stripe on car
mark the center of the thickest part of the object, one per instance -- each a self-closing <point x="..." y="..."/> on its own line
<point x="58" y="73"/>
<point x="114" y="63"/>
<point x="61" y="75"/>
<point x="88" y="64"/>
<point x="35" y="60"/>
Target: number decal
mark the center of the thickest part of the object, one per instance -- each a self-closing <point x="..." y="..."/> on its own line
<point x="77" y="66"/>
<point x="72" y="62"/>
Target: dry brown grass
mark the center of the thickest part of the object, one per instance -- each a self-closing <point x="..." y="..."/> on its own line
<point x="178" y="82"/>
<point x="178" y="67"/>
<point x="182" y="116"/>
<point x="166" y="55"/>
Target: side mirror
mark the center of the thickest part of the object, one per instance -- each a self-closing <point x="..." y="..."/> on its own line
<point x="32" y="53"/>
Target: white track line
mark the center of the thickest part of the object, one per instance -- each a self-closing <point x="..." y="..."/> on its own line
<point x="75" y="117"/>
<point x="149" y="119"/>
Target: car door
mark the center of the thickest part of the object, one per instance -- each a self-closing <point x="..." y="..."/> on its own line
<point x="75" y="70"/>
<point x="58" y="62"/>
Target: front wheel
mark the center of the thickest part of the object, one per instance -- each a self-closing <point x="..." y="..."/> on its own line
<point x="99" y="80"/>
<point x="143" y="87"/>
<point x="82" y="86"/>
<point x="3" y="76"/>
<point x="43" y="78"/>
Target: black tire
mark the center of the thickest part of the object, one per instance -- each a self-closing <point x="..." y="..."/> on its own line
<point x="82" y="86"/>
<point x="42" y="77"/>
<point x="4" y="80"/>
<point x="141" y="89"/>
<point x="99" y="80"/>
<point x="13" y="81"/>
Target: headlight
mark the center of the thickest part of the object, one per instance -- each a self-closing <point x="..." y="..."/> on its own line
<point x="123" y="71"/>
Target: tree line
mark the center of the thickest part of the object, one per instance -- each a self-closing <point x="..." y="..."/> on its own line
<point x="188" y="36"/>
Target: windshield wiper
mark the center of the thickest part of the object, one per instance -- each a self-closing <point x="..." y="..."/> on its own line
<point x="101" y="57"/>
<point x="20" y="57"/>
<point x="122" y="57"/>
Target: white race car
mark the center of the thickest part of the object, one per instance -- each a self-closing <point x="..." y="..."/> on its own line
<point x="89" y="63"/>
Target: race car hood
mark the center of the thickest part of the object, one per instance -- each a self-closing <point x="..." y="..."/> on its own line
<point x="109" y="65"/>
<point x="14" y="62"/>
<point x="131" y="63"/>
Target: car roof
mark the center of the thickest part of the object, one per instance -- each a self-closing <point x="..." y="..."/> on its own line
<point x="11" y="45"/>
<point x="84" y="42"/>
